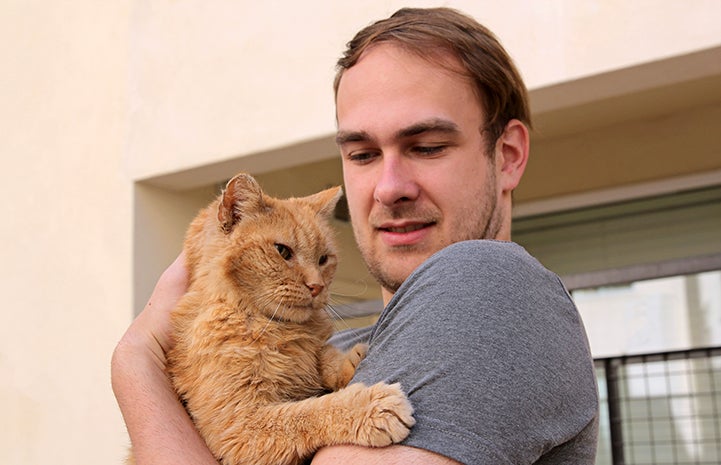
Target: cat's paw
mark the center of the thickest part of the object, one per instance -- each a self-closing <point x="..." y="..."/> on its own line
<point x="388" y="415"/>
<point x="357" y="353"/>
<point x="351" y="360"/>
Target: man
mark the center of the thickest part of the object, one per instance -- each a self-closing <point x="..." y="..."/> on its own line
<point x="432" y="119"/>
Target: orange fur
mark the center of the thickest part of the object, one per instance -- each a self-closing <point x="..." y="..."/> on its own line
<point x="251" y="359"/>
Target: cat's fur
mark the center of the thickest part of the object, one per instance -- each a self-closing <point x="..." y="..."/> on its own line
<point x="251" y="360"/>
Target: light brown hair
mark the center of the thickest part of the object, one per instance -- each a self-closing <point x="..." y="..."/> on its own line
<point x="434" y="31"/>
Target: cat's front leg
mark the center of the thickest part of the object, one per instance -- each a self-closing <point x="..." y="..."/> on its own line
<point x="379" y="415"/>
<point x="337" y="368"/>
<point x="287" y="433"/>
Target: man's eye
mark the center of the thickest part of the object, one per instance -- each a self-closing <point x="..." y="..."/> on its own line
<point x="361" y="157"/>
<point x="429" y="149"/>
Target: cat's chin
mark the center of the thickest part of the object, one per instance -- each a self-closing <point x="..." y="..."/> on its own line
<point x="296" y="314"/>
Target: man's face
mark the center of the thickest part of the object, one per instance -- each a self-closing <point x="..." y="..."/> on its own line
<point x="415" y="167"/>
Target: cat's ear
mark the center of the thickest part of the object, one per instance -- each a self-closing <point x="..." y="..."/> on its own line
<point x="324" y="202"/>
<point x="242" y="196"/>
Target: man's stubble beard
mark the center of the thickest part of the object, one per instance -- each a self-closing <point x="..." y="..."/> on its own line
<point x="471" y="225"/>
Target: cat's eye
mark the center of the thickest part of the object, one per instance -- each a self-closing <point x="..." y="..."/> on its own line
<point x="323" y="260"/>
<point x="284" y="251"/>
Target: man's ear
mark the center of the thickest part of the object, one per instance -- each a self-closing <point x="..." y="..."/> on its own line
<point x="512" y="154"/>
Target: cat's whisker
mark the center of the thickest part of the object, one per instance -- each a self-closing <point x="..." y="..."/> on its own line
<point x="338" y="317"/>
<point x="262" y="331"/>
<point x="332" y="312"/>
<point x="356" y="294"/>
<point x="336" y="301"/>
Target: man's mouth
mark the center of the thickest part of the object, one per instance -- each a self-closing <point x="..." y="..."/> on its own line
<point x="404" y="233"/>
<point x="405" y="229"/>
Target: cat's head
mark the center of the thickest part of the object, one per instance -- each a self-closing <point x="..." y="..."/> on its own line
<point x="279" y="252"/>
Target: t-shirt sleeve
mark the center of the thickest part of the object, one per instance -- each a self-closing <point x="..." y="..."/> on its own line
<point x="492" y="354"/>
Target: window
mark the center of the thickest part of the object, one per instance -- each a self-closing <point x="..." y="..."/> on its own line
<point x="646" y="277"/>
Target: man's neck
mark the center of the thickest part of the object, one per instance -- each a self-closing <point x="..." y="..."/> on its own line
<point x="387" y="296"/>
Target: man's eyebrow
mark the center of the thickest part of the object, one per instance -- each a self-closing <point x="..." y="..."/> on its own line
<point x="432" y="125"/>
<point x="344" y="137"/>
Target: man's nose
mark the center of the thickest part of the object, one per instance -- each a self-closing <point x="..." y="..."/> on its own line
<point x="396" y="182"/>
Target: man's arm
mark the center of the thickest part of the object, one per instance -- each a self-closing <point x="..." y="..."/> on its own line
<point x="392" y="455"/>
<point x="159" y="427"/>
<point x="492" y="354"/>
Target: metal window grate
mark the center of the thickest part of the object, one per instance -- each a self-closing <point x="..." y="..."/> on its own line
<point x="661" y="409"/>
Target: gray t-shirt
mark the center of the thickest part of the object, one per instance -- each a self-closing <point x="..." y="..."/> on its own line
<point x="493" y="355"/>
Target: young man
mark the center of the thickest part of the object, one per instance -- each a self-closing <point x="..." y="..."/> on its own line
<point x="432" y="119"/>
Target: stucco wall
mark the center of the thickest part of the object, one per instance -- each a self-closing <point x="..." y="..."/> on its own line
<point x="65" y="237"/>
<point x="227" y="81"/>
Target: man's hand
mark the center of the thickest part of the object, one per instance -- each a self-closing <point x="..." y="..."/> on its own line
<point x="160" y="429"/>
<point x="151" y="330"/>
<point x="391" y="455"/>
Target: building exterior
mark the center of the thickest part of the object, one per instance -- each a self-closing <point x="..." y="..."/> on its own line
<point x="120" y="119"/>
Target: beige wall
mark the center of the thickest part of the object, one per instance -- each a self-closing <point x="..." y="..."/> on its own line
<point x="66" y="230"/>
<point x="218" y="83"/>
<point x="110" y="112"/>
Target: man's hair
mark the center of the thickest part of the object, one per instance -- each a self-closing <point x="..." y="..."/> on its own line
<point x="435" y="31"/>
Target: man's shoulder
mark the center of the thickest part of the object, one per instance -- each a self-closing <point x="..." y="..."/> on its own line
<point x="491" y="275"/>
<point x="482" y="256"/>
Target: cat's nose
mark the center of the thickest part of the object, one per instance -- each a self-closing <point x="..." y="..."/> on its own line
<point x="315" y="289"/>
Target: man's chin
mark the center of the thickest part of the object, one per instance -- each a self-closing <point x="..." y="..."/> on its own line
<point x="391" y="275"/>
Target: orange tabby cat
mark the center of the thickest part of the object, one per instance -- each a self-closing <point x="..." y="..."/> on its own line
<point x="250" y="360"/>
